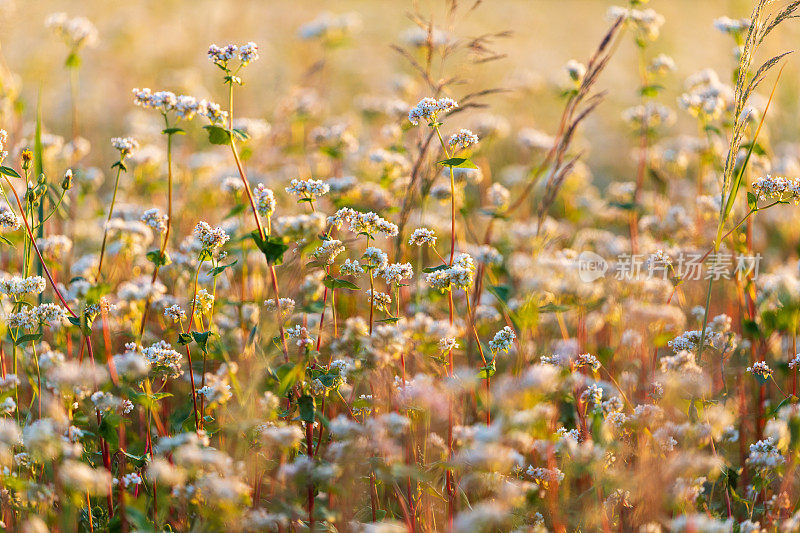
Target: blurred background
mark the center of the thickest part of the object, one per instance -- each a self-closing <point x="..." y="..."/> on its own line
<point x="162" y="44"/>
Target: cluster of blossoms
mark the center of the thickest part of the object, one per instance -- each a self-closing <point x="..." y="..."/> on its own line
<point x="362" y="223"/>
<point x="77" y="32"/>
<point x="308" y="189"/>
<point x="422" y="236"/>
<point x="502" y="340"/>
<point x="587" y="360"/>
<point x="265" y="200"/>
<point x="163" y="359"/>
<point x="764" y="455"/>
<point x="706" y="97"/>
<point x="246" y="53"/>
<point x="767" y="187"/>
<point x="351" y="268"/>
<point x="8" y="219"/>
<point x="428" y="109"/>
<point x="155" y="219"/>
<point x="760" y="369"/>
<point x="17" y="287"/>
<point x="396" y="273"/>
<point x="302" y="335"/>
<point x="287" y="306"/>
<point x="463" y="139"/>
<point x="30" y="318"/>
<point x="327" y="252"/>
<point x="646" y="23"/>
<point x="185" y="107"/>
<point x="209" y="236"/>
<point x="174" y="313"/>
<point x="126" y="145"/>
<point x="460" y="275"/>
<point x="731" y="26"/>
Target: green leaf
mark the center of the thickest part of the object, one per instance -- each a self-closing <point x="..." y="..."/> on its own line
<point x="503" y="292"/>
<point x="626" y="206"/>
<point x="391" y="320"/>
<point x="240" y="134"/>
<point x="649" y="91"/>
<point x="333" y="283"/>
<point x="307" y="408"/>
<point x="752" y="201"/>
<point x="428" y="270"/>
<point x="184" y="339"/>
<point x="31" y="337"/>
<point x="289" y="374"/>
<point x="8" y="171"/>
<point x="73" y="60"/>
<point x="201" y="338"/>
<point x="273" y="248"/>
<point x="3" y="239"/>
<point x="237" y="209"/>
<point x="218" y="135"/>
<point x="96" y="292"/>
<point x="216" y="271"/>
<point x="459" y="162"/>
<point x="157" y="258"/>
<point x="553" y="308"/>
<point x="173" y="131"/>
<point x="487" y="371"/>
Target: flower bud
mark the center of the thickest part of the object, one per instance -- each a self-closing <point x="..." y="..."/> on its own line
<point x="66" y="183"/>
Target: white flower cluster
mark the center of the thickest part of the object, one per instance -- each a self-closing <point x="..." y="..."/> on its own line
<point x="287" y="306"/>
<point x="8" y="220"/>
<point x="362" y="223"/>
<point x="126" y="145"/>
<point x="17" y="286"/>
<point x="310" y="189"/>
<point x="210" y="237"/>
<point x="428" y="109"/>
<point x="732" y="26"/>
<point x="3" y="143"/>
<point x="646" y="23"/>
<point x="246" y="53"/>
<point x="422" y="236"/>
<point x="164" y="359"/>
<point x="184" y="106"/>
<point x="587" y="360"/>
<point x="174" y="313"/>
<point x="265" y="200"/>
<point x="764" y="455"/>
<point x="380" y="299"/>
<point x="463" y="139"/>
<point x="329" y="27"/>
<point x="502" y="340"/>
<point x="397" y="272"/>
<point x="32" y="317"/>
<point x="375" y="258"/>
<point x="77" y="32"/>
<point x="301" y="334"/>
<point x="706" y="96"/>
<point x="767" y="187"/>
<point x="448" y="343"/>
<point x="154" y="219"/>
<point x="327" y="252"/>
<point x="351" y="268"/>
<point x="760" y="369"/>
<point x="461" y="275"/>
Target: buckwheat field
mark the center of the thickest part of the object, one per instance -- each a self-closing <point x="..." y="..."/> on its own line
<point x="418" y="265"/>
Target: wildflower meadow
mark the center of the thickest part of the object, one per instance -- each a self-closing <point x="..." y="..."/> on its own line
<point x="408" y="265"/>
